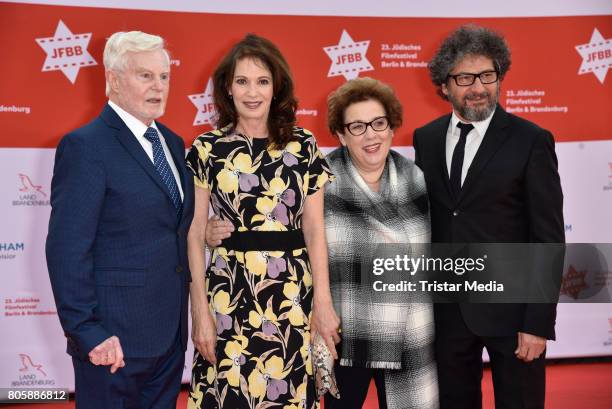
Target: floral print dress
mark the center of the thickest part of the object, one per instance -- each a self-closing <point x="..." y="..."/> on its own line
<point x="261" y="300"/>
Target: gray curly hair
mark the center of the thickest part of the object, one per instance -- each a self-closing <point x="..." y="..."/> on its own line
<point x="469" y="39"/>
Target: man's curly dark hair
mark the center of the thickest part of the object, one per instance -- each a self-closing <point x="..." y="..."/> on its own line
<point x="467" y="40"/>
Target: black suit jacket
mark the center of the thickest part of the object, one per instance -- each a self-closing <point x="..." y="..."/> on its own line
<point x="511" y="193"/>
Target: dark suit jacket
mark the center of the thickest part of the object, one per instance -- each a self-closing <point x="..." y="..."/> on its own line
<point x="116" y="250"/>
<point x="511" y="193"/>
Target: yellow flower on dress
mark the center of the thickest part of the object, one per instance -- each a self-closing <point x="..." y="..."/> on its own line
<point x="267" y="379"/>
<point x="195" y="398"/>
<point x="322" y="179"/>
<point x="307" y="278"/>
<point x="257" y="261"/>
<point x="306" y="352"/>
<point x="222" y="310"/>
<point x="235" y="352"/>
<point x="299" y="398"/>
<point x="266" y="320"/>
<point x="293" y="148"/>
<point x="228" y="177"/>
<point x="220" y="258"/>
<point x="266" y="206"/>
<point x="239" y="256"/>
<point x="305" y="184"/>
<point x="211" y="374"/>
<point x="221" y="303"/>
<point x="222" y="252"/>
<point x="296" y="314"/>
<point x="276" y="187"/>
<point x="275" y="153"/>
<point x="204" y="149"/>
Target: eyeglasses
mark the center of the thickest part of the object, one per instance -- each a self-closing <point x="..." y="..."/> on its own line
<point x="466" y="79"/>
<point x="358" y="128"/>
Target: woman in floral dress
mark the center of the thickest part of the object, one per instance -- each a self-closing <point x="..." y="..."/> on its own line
<point x="267" y="287"/>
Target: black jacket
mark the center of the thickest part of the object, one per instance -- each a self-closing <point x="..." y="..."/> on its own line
<point x="511" y="193"/>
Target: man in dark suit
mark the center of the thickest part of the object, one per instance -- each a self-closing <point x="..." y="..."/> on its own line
<point x="122" y="203"/>
<point x="492" y="178"/>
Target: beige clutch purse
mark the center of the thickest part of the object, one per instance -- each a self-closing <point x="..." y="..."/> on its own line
<point x="323" y="365"/>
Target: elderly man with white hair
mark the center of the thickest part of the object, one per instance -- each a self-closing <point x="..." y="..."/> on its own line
<point x="122" y="203"/>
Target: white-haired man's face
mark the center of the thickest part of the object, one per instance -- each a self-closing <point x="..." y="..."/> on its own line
<point x="141" y="87"/>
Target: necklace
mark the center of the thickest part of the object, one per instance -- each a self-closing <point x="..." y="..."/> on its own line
<point x="241" y="130"/>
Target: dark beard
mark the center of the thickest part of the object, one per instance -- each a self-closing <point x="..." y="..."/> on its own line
<point x="475" y="114"/>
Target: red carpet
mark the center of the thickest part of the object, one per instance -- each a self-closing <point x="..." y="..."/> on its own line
<point x="569" y="386"/>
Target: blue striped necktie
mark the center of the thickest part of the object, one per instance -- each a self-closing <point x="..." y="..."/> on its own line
<point x="163" y="168"/>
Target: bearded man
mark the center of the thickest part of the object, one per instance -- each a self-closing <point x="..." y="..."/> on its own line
<point x="491" y="178"/>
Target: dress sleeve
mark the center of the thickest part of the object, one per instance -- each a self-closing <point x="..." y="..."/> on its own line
<point x="198" y="161"/>
<point x="318" y="173"/>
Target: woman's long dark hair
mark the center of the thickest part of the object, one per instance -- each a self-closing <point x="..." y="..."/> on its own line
<point x="281" y="118"/>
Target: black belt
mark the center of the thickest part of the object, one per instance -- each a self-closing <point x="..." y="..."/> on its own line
<point x="265" y="240"/>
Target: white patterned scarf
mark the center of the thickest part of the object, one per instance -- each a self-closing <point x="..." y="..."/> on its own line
<point x="379" y="329"/>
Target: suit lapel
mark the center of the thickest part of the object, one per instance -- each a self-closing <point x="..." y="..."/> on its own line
<point x="496" y="134"/>
<point x="129" y="142"/>
<point x="439" y="132"/>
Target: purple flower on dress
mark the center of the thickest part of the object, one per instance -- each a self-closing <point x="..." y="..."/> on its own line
<point x="276" y="265"/>
<point x="280" y="213"/>
<point x="247" y="181"/>
<point x="288" y="197"/>
<point x="223" y="322"/>
<point x="220" y="263"/>
<point x="268" y="327"/>
<point x="215" y="204"/>
<point x="289" y="160"/>
<point x="276" y="387"/>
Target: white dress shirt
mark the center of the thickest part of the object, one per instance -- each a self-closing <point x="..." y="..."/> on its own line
<point x="472" y="142"/>
<point x="139" y="129"/>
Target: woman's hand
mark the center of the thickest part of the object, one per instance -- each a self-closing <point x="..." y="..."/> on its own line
<point x="204" y="335"/>
<point x="326" y="323"/>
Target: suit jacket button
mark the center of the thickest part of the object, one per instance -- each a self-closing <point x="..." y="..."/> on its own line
<point x="178" y="269"/>
<point x="455" y="212"/>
